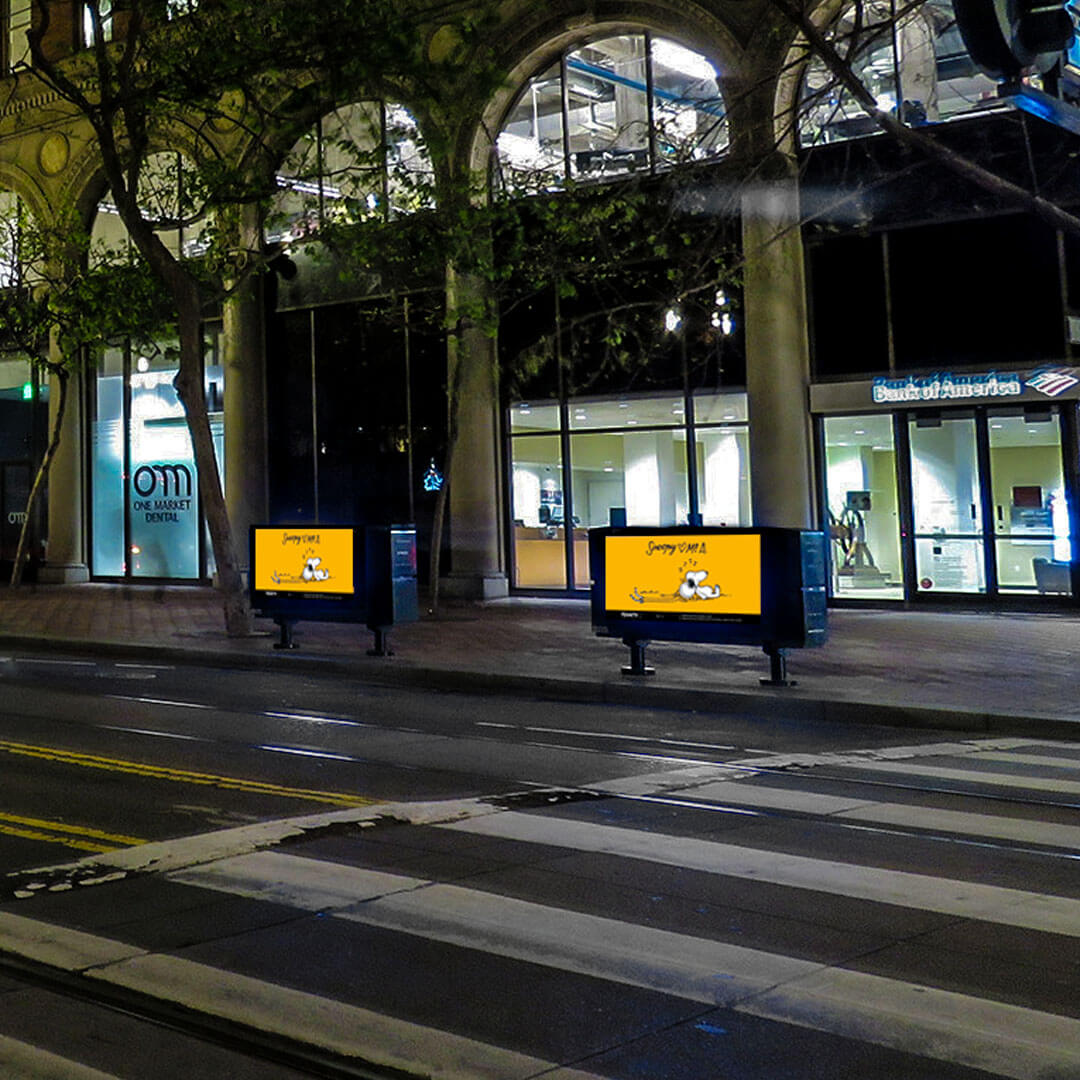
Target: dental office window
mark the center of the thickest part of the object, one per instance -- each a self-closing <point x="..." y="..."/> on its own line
<point x="145" y="512"/>
<point x="626" y="453"/>
<point x="625" y="104"/>
<point x="914" y="64"/>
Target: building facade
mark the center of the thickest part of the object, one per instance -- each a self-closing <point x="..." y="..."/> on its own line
<point x="832" y="332"/>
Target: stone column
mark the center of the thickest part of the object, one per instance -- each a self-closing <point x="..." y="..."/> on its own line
<point x="478" y="569"/>
<point x="65" y="559"/>
<point x="245" y="414"/>
<point x="777" y="356"/>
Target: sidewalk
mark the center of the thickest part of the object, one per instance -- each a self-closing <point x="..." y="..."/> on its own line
<point x="1006" y="673"/>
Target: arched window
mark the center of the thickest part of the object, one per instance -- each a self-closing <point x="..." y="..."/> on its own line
<point x="625" y="104"/>
<point x="914" y="63"/>
<point x="361" y="161"/>
<point x="12" y="211"/>
<point x="167" y="197"/>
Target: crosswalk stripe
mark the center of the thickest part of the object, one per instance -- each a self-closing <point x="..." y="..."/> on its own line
<point x="1041" y="760"/>
<point x="941" y="772"/>
<point x="293" y="1014"/>
<point x="20" y="1061"/>
<point x="1015" y="1042"/>
<point x="1005" y="1040"/>
<point x="986" y="826"/>
<point x="689" y="967"/>
<point x="991" y="903"/>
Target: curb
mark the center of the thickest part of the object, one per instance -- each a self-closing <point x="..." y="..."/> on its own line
<point x="766" y="704"/>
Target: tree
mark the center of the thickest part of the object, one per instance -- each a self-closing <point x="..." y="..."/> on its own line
<point x="144" y="80"/>
<point x="69" y="297"/>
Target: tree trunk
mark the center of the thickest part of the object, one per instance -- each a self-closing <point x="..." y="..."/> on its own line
<point x="22" y="552"/>
<point x="191" y="391"/>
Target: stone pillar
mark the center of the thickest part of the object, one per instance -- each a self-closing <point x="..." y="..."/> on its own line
<point x="478" y="569"/>
<point x="65" y="558"/>
<point x="245" y="414"/>
<point x="777" y="356"/>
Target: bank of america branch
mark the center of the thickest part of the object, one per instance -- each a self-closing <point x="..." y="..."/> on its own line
<point x="951" y="485"/>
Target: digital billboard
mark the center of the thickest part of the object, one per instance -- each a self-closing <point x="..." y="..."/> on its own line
<point x="668" y="575"/>
<point x="303" y="559"/>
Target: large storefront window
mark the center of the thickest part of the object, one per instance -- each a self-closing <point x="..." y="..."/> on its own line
<point x="983" y="507"/>
<point x="628" y="455"/>
<point x="625" y="104"/>
<point x="146" y="518"/>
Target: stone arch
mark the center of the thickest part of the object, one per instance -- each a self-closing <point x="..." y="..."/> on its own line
<point x="19" y="182"/>
<point x="531" y="46"/>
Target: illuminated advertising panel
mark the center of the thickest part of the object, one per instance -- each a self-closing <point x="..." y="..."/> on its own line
<point x="688" y="576"/>
<point x="303" y="559"/>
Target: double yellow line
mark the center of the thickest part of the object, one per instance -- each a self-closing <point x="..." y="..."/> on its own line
<point x="72" y="836"/>
<point x="31" y="827"/>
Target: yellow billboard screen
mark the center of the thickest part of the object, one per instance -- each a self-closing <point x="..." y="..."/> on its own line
<point x="304" y="559"/>
<point x="689" y="576"/>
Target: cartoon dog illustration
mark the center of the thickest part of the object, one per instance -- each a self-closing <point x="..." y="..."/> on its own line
<point x="692" y="587"/>
<point x="312" y="571"/>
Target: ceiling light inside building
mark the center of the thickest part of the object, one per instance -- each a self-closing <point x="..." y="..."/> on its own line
<point x="677" y="58"/>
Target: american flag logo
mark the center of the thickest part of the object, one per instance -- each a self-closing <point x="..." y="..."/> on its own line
<point x="1052" y="383"/>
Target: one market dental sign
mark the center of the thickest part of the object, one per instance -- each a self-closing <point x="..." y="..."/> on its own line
<point x="947" y="387"/>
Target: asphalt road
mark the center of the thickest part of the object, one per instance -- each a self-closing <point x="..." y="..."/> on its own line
<point x="96" y="755"/>
<point x="624" y="892"/>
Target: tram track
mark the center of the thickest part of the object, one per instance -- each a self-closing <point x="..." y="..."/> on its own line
<point x="304" y="1059"/>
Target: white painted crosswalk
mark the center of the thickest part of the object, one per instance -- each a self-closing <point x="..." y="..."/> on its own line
<point x="862" y="914"/>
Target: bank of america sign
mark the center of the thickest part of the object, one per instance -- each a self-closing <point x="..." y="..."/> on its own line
<point x="1053" y="382"/>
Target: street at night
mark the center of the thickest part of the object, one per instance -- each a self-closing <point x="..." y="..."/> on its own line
<point x="284" y="876"/>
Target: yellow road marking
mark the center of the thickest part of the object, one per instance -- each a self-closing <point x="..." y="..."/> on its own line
<point x="67" y="841"/>
<point x="183" y="776"/>
<point x="117" y="839"/>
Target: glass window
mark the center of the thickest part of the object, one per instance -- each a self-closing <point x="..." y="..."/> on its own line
<point x="527" y="417"/>
<point x="641" y="472"/>
<point x="11" y="212"/>
<point x="915" y="64"/>
<point x="163" y="493"/>
<point x="862" y="506"/>
<point x="607" y="107"/>
<point x="19" y="17"/>
<point x="1031" y="516"/>
<point x="689" y="118"/>
<point x="628" y="454"/>
<point x="360" y="161"/>
<point x="723" y="470"/>
<point x="596" y="107"/>
<point x="538" y="513"/>
<point x="530" y="146"/>
<point x="720" y="408"/>
<point x="947" y="502"/>
<point x="166" y="199"/>
<point x="666" y="411"/>
<point x="104" y="11"/>
<point x="145" y="498"/>
<point x="107" y="466"/>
